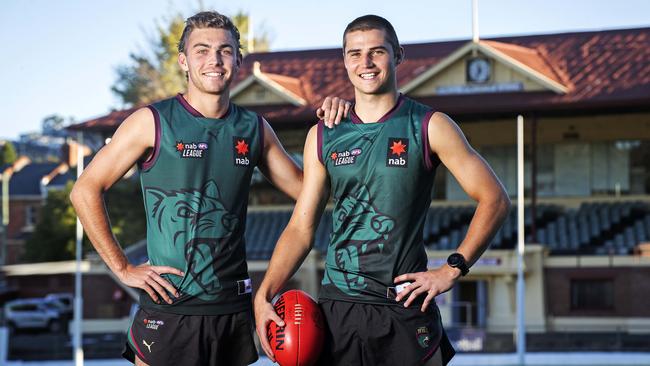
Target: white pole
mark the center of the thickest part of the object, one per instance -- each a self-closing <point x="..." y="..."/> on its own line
<point x="251" y="36"/>
<point x="4" y="331"/>
<point x="475" y="21"/>
<point x="4" y="344"/>
<point x="521" y="289"/>
<point x="78" y="351"/>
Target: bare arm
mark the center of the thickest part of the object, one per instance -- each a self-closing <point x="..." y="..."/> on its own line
<point x="479" y="181"/>
<point x="295" y="242"/>
<point x="131" y="140"/>
<point x="476" y="178"/>
<point x="278" y="167"/>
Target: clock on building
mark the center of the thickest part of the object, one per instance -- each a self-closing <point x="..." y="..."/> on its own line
<point x="479" y="70"/>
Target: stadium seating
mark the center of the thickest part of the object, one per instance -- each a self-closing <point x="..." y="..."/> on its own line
<point x="601" y="228"/>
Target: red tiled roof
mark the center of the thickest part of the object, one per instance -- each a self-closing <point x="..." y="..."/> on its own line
<point x="603" y="69"/>
<point x="293" y="85"/>
<point x="107" y="123"/>
<point x="531" y="57"/>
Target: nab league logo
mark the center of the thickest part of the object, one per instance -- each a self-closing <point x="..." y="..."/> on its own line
<point x="346" y="157"/>
<point x="240" y="151"/>
<point x="397" y="152"/>
<point x="194" y="150"/>
<point x="153" y="324"/>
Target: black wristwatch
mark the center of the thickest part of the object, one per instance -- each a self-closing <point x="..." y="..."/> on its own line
<point x="456" y="260"/>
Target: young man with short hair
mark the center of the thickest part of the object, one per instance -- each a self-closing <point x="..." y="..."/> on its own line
<point x="379" y="164"/>
<point x="196" y="153"/>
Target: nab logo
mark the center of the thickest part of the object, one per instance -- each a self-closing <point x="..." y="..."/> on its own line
<point x="397" y="152"/>
<point x="241" y="150"/>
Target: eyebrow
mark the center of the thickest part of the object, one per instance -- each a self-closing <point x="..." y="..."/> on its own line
<point x="208" y="46"/>
<point x="372" y="49"/>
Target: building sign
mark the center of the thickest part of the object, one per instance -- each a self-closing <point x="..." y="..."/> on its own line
<point x="478" y="89"/>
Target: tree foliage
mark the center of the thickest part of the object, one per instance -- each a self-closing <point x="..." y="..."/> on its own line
<point x="155" y="75"/>
<point x="53" y="125"/>
<point x="8" y="153"/>
<point x="53" y="238"/>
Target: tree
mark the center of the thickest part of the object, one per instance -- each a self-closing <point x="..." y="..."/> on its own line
<point x="148" y="78"/>
<point x="53" y="125"/>
<point x="151" y="78"/>
<point x="54" y="235"/>
<point x="260" y="43"/>
<point x="8" y="153"/>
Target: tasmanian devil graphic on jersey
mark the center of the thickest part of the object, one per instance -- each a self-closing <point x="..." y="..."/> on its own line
<point x="363" y="231"/>
<point x="200" y="219"/>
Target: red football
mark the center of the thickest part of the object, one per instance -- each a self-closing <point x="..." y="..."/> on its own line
<point x="300" y="341"/>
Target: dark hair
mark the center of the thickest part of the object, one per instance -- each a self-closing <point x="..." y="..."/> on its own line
<point x="368" y="22"/>
<point x="207" y="19"/>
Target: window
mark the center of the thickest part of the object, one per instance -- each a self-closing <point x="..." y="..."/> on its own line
<point x="639" y="166"/>
<point x="30" y="216"/>
<point x="592" y="294"/>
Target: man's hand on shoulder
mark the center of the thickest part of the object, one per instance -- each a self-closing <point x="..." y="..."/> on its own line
<point x="333" y="110"/>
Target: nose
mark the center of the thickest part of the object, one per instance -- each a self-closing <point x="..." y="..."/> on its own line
<point x="218" y="58"/>
<point x="368" y="60"/>
<point x="215" y="59"/>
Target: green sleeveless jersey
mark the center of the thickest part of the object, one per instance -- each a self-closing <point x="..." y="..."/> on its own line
<point x="381" y="177"/>
<point x="195" y="189"/>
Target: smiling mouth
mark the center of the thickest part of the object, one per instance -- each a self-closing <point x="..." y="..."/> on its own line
<point x="214" y="74"/>
<point x="368" y="75"/>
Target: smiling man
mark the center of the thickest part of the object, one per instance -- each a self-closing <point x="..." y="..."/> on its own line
<point x="196" y="153"/>
<point x="379" y="165"/>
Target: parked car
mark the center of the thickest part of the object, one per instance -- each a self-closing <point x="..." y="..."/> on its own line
<point x="35" y="313"/>
<point x="64" y="301"/>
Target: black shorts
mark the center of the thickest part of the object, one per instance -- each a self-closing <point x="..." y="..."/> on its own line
<point x="366" y="334"/>
<point x="159" y="338"/>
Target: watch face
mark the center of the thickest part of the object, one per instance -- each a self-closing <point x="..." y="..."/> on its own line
<point x="478" y="70"/>
<point x="455" y="259"/>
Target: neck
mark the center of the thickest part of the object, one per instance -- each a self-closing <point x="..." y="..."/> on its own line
<point x="371" y="107"/>
<point x="210" y="105"/>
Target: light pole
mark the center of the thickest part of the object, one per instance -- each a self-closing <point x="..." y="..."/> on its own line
<point x="78" y="351"/>
<point x="4" y="333"/>
<point x="5" y="214"/>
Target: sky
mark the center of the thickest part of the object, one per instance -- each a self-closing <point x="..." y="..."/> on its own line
<point x="60" y="56"/>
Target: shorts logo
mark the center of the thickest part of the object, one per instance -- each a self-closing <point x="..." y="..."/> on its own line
<point x="240" y="151"/>
<point x="397" y="152"/>
<point x="194" y="150"/>
<point x="148" y="345"/>
<point x="423" y="337"/>
<point x="345" y="157"/>
<point x="153" y="324"/>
